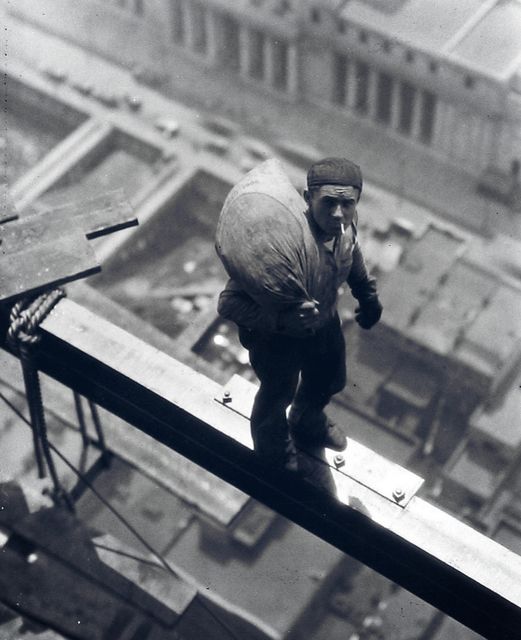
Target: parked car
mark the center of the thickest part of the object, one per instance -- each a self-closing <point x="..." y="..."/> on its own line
<point x="168" y="126"/>
<point x="217" y="144"/>
<point x="148" y="76"/>
<point x="56" y="73"/>
<point x="83" y="86"/>
<point x="133" y="101"/>
<point x="221" y="126"/>
<point x="105" y="96"/>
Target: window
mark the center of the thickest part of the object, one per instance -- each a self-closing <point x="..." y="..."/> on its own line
<point x="178" y="22"/>
<point x="340" y="65"/>
<point x="230" y="46"/>
<point x="428" y="113"/>
<point x="362" y="87"/>
<point x="200" y="28"/>
<point x="280" y="65"/>
<point x="384" y="97"/>
<point x="257" y="43"/>
<point x="407" y="98"/>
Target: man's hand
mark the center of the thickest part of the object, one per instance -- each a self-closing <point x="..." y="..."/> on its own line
<point x="368" y="313"/>
<point x="300" y="320"/>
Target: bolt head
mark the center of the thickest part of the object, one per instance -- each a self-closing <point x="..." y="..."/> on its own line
<point x="398" y="494"/>
<point x="339" y="460"/>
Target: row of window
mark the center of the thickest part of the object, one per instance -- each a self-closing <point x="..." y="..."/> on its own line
<point x="228" y="43"/>
<point x="198" y="24"/>
<point x="395" y="102"/>
<point x="387" y="45"/>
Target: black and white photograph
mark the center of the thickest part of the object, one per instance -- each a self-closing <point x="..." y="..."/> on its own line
<point x="260" y="319"/>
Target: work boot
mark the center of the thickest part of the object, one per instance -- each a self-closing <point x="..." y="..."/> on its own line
<point x="279" y="456"/>
<point x="334" y="438"/>
<point x="327" y="434"/>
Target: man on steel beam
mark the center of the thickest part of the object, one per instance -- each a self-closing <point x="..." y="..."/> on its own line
<point x="297" y="350"/>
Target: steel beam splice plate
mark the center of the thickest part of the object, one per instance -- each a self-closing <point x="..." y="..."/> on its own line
<point x="375" y="472"/>
<point x="358" y="462"/>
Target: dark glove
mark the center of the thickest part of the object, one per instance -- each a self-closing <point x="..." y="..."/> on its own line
<point x="368" y="313"/>
<point x="300" y="320"/>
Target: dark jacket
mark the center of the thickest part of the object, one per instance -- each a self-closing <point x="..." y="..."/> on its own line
<point x="341" y="261"/>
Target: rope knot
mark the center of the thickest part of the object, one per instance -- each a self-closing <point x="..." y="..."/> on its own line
<point x="27" y="315"/>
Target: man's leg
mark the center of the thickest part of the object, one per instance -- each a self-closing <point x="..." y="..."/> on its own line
<point x="323" y="374"/>
<point x="275" y="360"/>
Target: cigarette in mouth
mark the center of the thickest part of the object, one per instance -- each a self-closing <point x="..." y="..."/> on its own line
<point x="342" y="228"/>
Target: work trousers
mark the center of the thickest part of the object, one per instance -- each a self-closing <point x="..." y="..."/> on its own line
<point x="304" y="372"/>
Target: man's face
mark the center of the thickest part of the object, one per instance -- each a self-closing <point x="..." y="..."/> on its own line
<point x="333" y="206"/>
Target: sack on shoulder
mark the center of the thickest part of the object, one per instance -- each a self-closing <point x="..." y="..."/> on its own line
<point x="264" y="241"/>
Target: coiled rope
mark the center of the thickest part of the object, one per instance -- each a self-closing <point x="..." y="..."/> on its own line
<point x="22" y="337"/>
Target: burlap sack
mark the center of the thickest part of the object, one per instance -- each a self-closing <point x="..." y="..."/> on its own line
<point x="264" y="241"/>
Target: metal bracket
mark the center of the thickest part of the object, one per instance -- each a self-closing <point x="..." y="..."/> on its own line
<point x="375" y="472"/>
<point x="357" y="462"/>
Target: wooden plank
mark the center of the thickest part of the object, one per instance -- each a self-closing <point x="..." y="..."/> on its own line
<point x="48" y="249"/>
<point x="39" y="266"/>
<point x="97" y="216"/>
<point x="422" y="548"/>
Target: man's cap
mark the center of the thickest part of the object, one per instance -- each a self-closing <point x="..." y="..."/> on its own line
<point x="339" y="171"/>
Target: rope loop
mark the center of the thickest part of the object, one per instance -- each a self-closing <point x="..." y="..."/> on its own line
<point x="27" y="315"/>
<point x="25" y="319"/>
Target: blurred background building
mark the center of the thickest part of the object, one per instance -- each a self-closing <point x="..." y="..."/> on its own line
<point x="174" y="100"/>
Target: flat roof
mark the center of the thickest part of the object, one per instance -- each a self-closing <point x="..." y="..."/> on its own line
<point x="482" y="35"/>
<point x="453" y="306"/>
<point x="260" y="583"/>
<point x="412" y="383"/>
<point x="502" y="422"/>
<point x="423" y="23"/>
<point x="494" y="44"/>
<point x="410" y="286"/>
<point x="495" y="334"/>
<point x="474" y="477"/>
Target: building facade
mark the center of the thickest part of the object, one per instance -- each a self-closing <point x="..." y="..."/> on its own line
<point x="444" y="77"/>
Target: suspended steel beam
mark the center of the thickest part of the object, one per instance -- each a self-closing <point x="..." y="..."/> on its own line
<point x="375" y="515"/>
